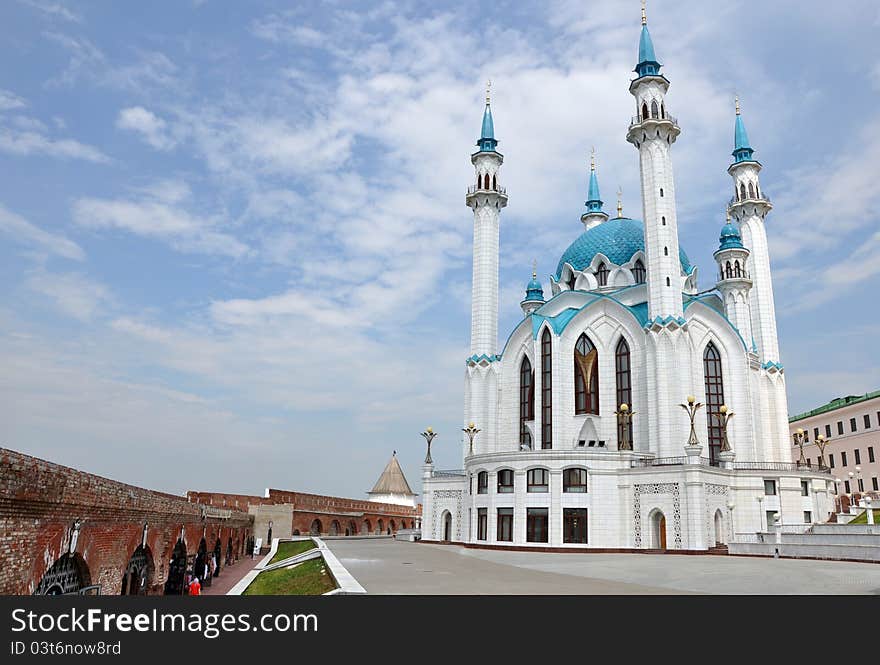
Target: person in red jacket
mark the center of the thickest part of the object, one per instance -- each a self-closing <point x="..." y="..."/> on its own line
<point x="195" y="587"/>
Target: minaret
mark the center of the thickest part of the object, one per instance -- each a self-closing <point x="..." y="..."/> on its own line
<point x="534" y="294"/>
<point x="734" y="283"/>
<point x="749" y="208"/>
<point x="594" y="214"/>
<point x="652" y="132"/>
<point x="486" y="198"/>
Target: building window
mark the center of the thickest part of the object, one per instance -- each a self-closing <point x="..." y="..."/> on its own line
<point x="867" y="420"/>
<point x="874" y="483"/>
<point x="858" y="456"/>
<point x="831" y="459"/>
<point x="505" y="481"/>
<point x="526" y="401"/>
<point x="771" y="519"/>
<point x="808" y="517"/>
<point x="639" y="272"/>
<point x="624" y="385"/>
<point x="840" y="427"/>
<point x="843" y="458"/>
<point x="852" y="424"/>
<point x="805" y="488"/>
<point x="574" y="480"/>
<point x="827" y="431"/>
<point x="482" y="523"/>
<point x="861" y="485"/>
<point x="815" y="434"/>
<point x="714" y="398"/>
<point x="846" y="486"/>
<point x="574" y="525"/>
<point x="602" y="274"/>
<point x="770" y="487"/>
<point x="505" y="525"/>
<point x="586" y="376"/>
<point x="546" y="391"/>
<point x="871" y="453"/>
<point x="483" y="482"/>
<point x="536" y="525"/>
<point x="538" y="480"/>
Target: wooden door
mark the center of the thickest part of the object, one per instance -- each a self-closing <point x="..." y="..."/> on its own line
<point x="663" y="532"/>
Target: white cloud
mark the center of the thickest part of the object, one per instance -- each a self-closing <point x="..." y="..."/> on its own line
<point x="73" y="293"/>
<point x="53" y="10"/>
<point x="9" y="100"/>
<point x="152" y="128"/>
<point x="23" y="231"/>
<point x="35" y="143"/>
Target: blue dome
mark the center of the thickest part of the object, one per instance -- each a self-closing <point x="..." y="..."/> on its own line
<point x="618" y="239"/>
<point x="730" y="237"/>
<point x="534" y="291"/>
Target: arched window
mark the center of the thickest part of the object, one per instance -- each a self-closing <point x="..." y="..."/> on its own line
<point x="526" y="401"/>
<point x="494" y="182"/>
<point x="668" y="283"/>
<point x="639" y="272"/>
<point x="586" y="377"/>
<point x="662" y="110"/>
<point x="727" y="270"/>
<point x="714" y="398"/>
<point x="751" y="191"/>
<point x="661" y="192"/>
<point x="574" y="480"/>
<point x="622" y="371"/>
<point x="602" y="274"/>
<point x="486" y="181"/>
<point x="665" y="251"/>
<point x="736" y="269"/>
<point x="742" y="191"/>
<point x="537" y="480"/>
<point x="546" y="391"/>
<point x="664" y="220"/>
<point x="655" y="112"/>
<point x="644" y="110"/>
<point x="572" y="281"/>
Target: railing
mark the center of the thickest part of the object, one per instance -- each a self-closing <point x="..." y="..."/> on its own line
<point x="777" y="466"/>
<point x="473" y="189"/>
<point x="449" y="473"/>
<point x="638" y="119"/>
<point x="763" y="197"/>
<point x="669" y="461"/>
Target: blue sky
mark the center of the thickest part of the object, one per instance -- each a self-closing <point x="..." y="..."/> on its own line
<point x="233" y="242"/>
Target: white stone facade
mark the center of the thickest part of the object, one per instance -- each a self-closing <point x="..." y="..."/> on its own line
<point x="656" y="341"/>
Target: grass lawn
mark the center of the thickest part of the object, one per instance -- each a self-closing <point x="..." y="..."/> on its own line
<point x="306" y="579"/>
<point x="862" y="518"/>
<point x="289" y="549"/>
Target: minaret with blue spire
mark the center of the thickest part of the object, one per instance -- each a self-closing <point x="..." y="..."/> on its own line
<point x="749" y="207"/>
<point x="734" y="282"/>
<point x="486" y="197"/>
<point x="594" y="214"/>
<point x="653" y="132"/>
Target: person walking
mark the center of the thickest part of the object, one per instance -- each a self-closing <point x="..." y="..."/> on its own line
<point x="195" y="588"/>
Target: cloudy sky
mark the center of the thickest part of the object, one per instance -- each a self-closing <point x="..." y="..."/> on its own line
<point x="233" y="242"/>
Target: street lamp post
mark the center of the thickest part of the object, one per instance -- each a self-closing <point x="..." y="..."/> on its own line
<point x="429" y="435"/>
<point x="799" y="437"/>
<point x="723" y="417"/>
<point x="624" y="418"/>
<point x="852" y="490"/>
<point x="692" y="407"/>
<point x="730" y="506"/>
<point x="821" y="442"/>
<point x="761" y="512"/>
<point x="471" y="432"/>
<point x="859" y="482"/>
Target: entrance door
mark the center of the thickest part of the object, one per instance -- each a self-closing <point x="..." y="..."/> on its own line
<point x="662" y="526"/>
<point x="447" y="527"/>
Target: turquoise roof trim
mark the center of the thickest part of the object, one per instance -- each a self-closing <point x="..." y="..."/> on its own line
<point x="476" y="359"/>
<point x="648" y="63"/>
<point x="770" y="364"/>
<point x="617" y="239"/>
<point x="559" y="322"/>
<point x="487" y="140"/>
<point x="742" y="151"/>
<point x="706" y="299"/>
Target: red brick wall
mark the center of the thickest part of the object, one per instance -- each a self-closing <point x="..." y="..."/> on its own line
<point x="40" y="501"/>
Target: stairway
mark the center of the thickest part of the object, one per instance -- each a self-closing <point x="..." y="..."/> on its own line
<point x="718" y="548"/>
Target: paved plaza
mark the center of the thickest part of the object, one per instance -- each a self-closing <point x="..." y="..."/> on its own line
<point x="386" y="566"/>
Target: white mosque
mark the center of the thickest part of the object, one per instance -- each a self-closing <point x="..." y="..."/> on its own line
<point x="584" y="416"/>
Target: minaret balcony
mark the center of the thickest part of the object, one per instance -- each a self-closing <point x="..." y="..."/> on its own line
<point x="750" y="199"/>
<point x="641" y="126"/>
<point x="495" y="196"/>
<point x="665" y="117"/>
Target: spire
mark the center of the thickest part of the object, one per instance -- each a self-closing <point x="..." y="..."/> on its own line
<point x="619" y="202"/>
<point x="742" y="150"/>
<point x="487" y="140"/>
<point x="648" y="63"/>
<point x="730" y="237"/>
<point x="594" y="202"/>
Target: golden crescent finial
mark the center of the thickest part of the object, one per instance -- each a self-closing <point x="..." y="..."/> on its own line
<point x="644" y="12"/>
<point x="620" y="202"/>
<point x="488" y="90"/>
<point x="736" y="97"/>
<point x="593" y="158"/>
<point x="534" y="268"/>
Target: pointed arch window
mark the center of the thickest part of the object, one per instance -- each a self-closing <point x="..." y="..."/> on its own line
<point x="623" y="374"/>
<point x="737" y="271"/>
<point x="727" y="270"/>
<point x="494" y="182"/>
<point x="742" y="191"/>
<point x="639" y="272"/>
<point x="751" y="191"/>
<point x="586" y="377"/>
<point x="714" y="381"/>
<point x="546" y="391"/>
<point x="602" y="274"/>
<point x="571" y="281"/>
<point x="655" y="112"/>
<point x="644" y="111"/>
<point x="526" y="401"/>
<point x="486" y="181"/>
<point x="662" y="110"/>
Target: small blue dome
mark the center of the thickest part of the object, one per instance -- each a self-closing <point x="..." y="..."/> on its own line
<point x="534" y="291"/>
<point x="730" y="237"/>
<point x="618" y="239"/>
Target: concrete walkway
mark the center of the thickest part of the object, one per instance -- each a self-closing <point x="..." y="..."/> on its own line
<point x="229" y="576"/>
<point x="392" y="567"/>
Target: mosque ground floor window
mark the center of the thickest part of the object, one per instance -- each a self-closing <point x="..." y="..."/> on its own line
<point x="505" y="525"/>
<point x="574" y="525"/>
<point x="482" y="523"/>
<point x="536" y="525"/>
